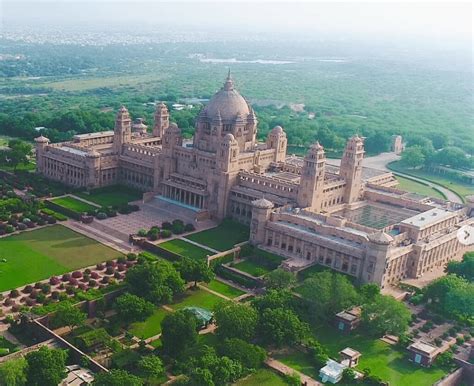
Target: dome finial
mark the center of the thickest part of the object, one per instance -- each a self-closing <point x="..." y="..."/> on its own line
<point x="229" y="83"/>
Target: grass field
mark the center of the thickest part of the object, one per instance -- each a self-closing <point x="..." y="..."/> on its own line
<point x="223" y="237"/>
<point x="196" y="298"/>
<point x="262" y="377"/>
<point x="111" y="195"/>
<point x="184" y="248"/>
<point x="150" y="327"/>
<point x="384" y="361"/>
<point x="456" y="186"/>
<point x="74" y="204"/>
<point x="416" y="187"/>
<point x="224" y="289"/>
<point x="252" y="268"/>
<point x="38" y="254"/>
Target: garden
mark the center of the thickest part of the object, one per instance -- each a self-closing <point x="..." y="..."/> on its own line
<point x="38" y="254"/>
<point x="257" y="262"/>
<point x="114" y="196"/>
<point x="223" y="237"/>
<point x="74" y="204"/>
<point x="183" y="248"/>
<point x="224" y="289"/>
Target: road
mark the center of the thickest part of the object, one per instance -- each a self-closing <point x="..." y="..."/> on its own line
<point x="381" y="161"/>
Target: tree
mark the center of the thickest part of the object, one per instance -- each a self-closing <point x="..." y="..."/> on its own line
<point x="249" y="355"/>
<point x="348" y="375"/>
<point x="156" y="281"/>
<point x="281" y="327"/>
<point x="413" y="157"/>
<point x="235" y="320"/>
<point x="225" y="370"/>
<point x="151" y="366"/>
<point x="445" y="359"/>
<point x="18" y="153"/>
<point x="385" y="315"/>
<point x="279" y="279"/>
<point x="131" y="308"/>
<point x="178" y="332"/>
<point x="318" y="352"/>
<point x="200" y="377"/>
<point x="194" y="270"/>
<point x="369" y="292"/>
<point x="328" y="293"/>
<point x="464" y="268"/>
<point x="13" y="372"/>
<point x="116" y="378"/>
<point x="274" y="299"/>
<point x="46" y="367"/>
<point x="68" y="315"/>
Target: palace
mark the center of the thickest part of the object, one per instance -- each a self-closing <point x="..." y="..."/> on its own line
<point x="348" y="217"/>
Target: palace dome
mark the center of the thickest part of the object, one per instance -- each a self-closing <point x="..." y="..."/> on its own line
<point x="227" y="103"/>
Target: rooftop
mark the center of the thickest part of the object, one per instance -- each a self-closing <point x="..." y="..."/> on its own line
<point x="424" y="347"/>
<point x="429" y="217"/>
<point x="332" y="369"/>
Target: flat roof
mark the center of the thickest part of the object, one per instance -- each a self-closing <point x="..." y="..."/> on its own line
<point x="332" y="369"/>
<point x="429" y="217"/>
<point x="347" y="316"/>
<point x="73" y="150"/>
<point x="96" y="134"/>
<point x="350" y="352"/>
<point x="424" y="347"/>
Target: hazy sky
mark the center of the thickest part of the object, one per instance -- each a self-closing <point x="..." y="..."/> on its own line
<point x="447" y="21"/>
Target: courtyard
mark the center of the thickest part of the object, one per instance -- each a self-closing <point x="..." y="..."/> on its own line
<point x="223" y="237"/>
<point x="36" y="255"/>
<point x="111" y="195"/>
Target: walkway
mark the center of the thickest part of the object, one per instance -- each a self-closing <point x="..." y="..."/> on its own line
<point x="286" y="370"/>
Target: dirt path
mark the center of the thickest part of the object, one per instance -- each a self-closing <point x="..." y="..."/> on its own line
<point x="284" y="369"/>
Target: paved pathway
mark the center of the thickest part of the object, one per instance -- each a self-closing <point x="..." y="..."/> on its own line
<point x="284" y="369"/>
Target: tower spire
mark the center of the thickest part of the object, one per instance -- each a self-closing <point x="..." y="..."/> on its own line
<point x="229" y="83"/>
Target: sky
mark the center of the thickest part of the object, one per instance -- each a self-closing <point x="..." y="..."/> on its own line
<point x="426" y="20"/>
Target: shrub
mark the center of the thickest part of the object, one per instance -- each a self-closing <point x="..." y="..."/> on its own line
<point x="121" y="260"/>
<point x="46" y="288"/>
<point x="70" y="289"/>
<point x="121" y="267"/>
<point x="8" y="302"/>
<point x="105" y="280"/>
<point x="30" y="302"/>
<point x="73" y="281"/>
<point x="110" y="263"/>
<point x="166" y="225"/>
<point x="95" y="275"/>
<point x="38" y="285"/>
<point x="87" y="271"/>
<point x="41" y="298"/>
<point x="86" y="277"/>
<point x="54" y="280"/>
<point x="438" y="342"/>
<point x="142" y="232"/>
<point x="27" y="289"/>
<point x="131" y="256"/>
<point x="22" y="226"/>
<point x="101" y="216"/>
<point x="110" y="270"/>
<point x="92" y="283"/>
<point x="118" y="276"/>
<point x="14" y="293"/>
<point x="189" y="227"/>
<point x="165" y="233"/>
<point x="460" y="340"/>
<point x="9" y="229"/>
<point x="66" y="277"/>
<point x="55" y="295"/>
<point x="77" y="274"/>
<point x="33" y="294"/>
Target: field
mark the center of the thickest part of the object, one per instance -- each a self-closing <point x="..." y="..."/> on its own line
<point x="223" y="237"/>
<point x="416" y="187"/>
<point x="111" y="195"/>
<point x="196" y="298"/>
<point x="262" y="377"/>
<point x="150" y="327"/>
<point x="38" y="254"/>
<point x="384" y="361"/>
<point x="252" y="268"/>
<point x="184" y="248"/>
<point x="458" y="187"/>
<point x="74" y="204"/>
<point x="224" y="289"/>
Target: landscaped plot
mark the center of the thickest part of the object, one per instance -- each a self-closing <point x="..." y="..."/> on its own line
<point x="6" y="347"/>
<point x="151" y="326"/>
<point x="383" y="360"/>
<point x="224" y="289"/>
<point x="186" y="249"/>
<point x="416" y="187"/>
<point x="74" y="204"/>
<point x="196" y="298"/>
<point x="262" y="377"/>
<point x="39" y="254"/>
<point x="222" y="237"/>
<point x="112" y="195"/>
<point x="252" y="268"/>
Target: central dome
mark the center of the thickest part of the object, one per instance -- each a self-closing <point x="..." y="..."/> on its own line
<point x="227" y="102"/>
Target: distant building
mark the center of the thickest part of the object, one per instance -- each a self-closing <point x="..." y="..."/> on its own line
<point x="423" y="353"/>
<point x="349" y="218"/>
<point x="346" y="321"/>
<point x="77" y="376"/>
<point x="397" y="144"/>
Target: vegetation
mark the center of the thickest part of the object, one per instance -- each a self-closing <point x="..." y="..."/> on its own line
<point x="224" y="289"/>
<point x="235" y="321"/>
<point x="114" y="196"/>
<point x="131" y="308"/>
<point x="179" y="332"/>
<point x="46" y="367"/>
<point x="280" y="279"/>
<point x="68" y="315"/>
<point x="74" y="204"/>
<point x="116" y="377"/>
<point x="192" y="270"/>
<point x="39" y="254"/>
<point x="150" y="326"/>
<point x="223" y="237"/>
<point x="464" y="268"/>
<point x="13" y="372"/>
<point x="183" y="248"/>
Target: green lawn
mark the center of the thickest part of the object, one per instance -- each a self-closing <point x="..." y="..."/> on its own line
<point x="460" y="188"/>
<point x="74" y="204"/>
<point x="299" y="361"/>
<point x="38" y="254"/>
<point x="111" y="195"/>
<point x="252" y="268"/>
<point x="262" y="377"/>
<point x="382" y="359"/>
<point x="223" y="237"/>
<point x="416" y="187"/>
<point x="184" y="248"/>
<point x="224" y="289"/>
<point x="6" y="345"/>
<point x="150" y="327"/>
<point x="196" y="298"/>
